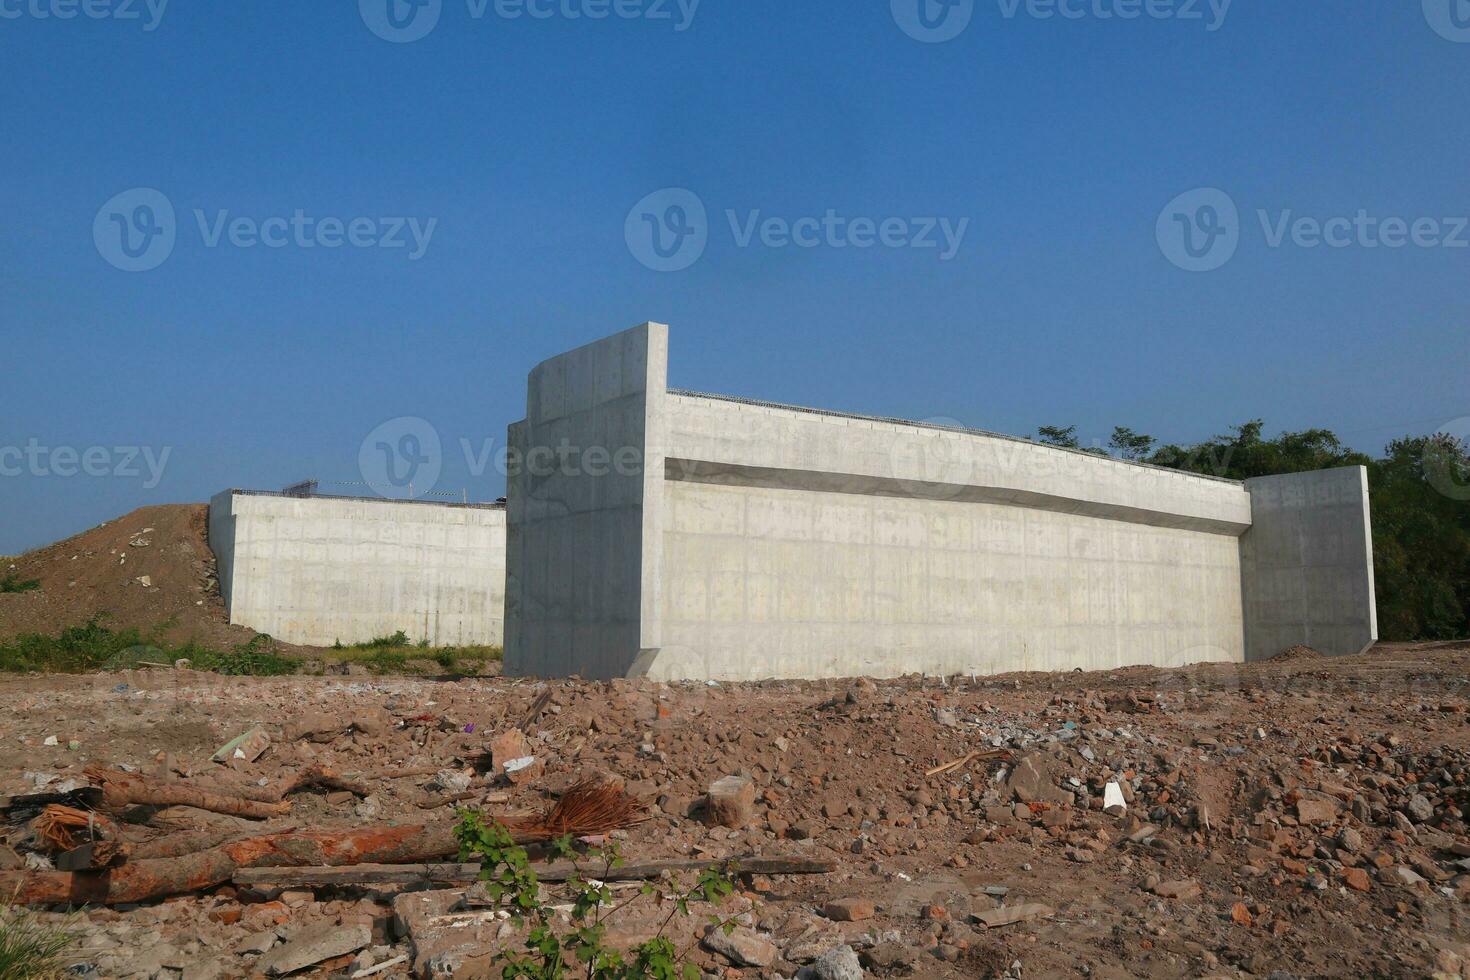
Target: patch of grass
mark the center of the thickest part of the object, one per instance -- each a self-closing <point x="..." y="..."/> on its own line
<point x="258" y="658"/>
<point x="397" y="640"/>
<point x="75" y="650"/>
<point x="95" y="647"/>
<point x="14" y="583"/>
<point x="30" y="949"/>
<point x="416" y="659"/>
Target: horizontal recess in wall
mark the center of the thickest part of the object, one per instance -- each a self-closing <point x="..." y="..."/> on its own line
<point x="727" y="474"/>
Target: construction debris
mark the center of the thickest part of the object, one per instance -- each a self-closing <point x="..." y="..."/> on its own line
<point x="1212" y="821"/>
<point x="246" y="747"/>
<point x="1008" y="915"/>
<point x="732" y="801"/>
<point x="312" y="947"/>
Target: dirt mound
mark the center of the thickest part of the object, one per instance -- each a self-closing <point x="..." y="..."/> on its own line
<point x="1299" y="652"/>
<point x="149" y="569"/>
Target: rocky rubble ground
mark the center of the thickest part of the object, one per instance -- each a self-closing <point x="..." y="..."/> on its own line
<point x="1299" y="818"/>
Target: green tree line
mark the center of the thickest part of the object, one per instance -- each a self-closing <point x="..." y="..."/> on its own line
<point x="1420" y="490"/>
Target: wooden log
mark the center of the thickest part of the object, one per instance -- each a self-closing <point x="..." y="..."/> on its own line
<point x="396" y="773"/>
<point x="122" y="789"/>
<point x="583" y="810"/>
<point x="141" y="881"/>
<point x="190" y="841"/>
<point x="312" y="776"/>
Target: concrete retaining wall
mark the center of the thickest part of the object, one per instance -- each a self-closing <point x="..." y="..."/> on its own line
<point x="1307" y="564"/>
<point x="779" y="583"/>
<point x="811" y="544"/>
<point x="769" y="541"/>
<point x="584" y="487"/>
<point x="318" y="570"/>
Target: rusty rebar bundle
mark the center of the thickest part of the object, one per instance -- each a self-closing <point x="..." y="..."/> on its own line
<point x="589" y="808"/>
<point x="60" y="829"/>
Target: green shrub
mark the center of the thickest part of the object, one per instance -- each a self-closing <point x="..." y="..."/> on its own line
<point x="414" y="659"/>
<point x="93" y="647"/>
<point x="14" y="583"/>
<point x="76" y="649"/>
<point x="398" y="639"/>
<point x="258" y="658"/>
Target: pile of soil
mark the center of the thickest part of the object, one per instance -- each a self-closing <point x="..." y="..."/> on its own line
<point x="1299" y="652"/>
<point x="148" y="569"/>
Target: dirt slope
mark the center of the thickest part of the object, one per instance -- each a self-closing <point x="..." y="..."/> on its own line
<point x="101" y="571"/>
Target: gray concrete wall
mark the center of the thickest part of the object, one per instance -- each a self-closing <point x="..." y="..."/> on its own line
<point x="764" y="540"/>
<point x="584" y="506"/>
<point x="221" y="525"/>
<point x="791" y="583"/>
<point x="1307" y="564"/>
<point x="317" y="570"/>
<point x="810" y="544"/>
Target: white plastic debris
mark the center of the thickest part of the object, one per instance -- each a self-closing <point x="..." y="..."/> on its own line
<point x="1113" y="797"/>
<point x="516" y="765"/>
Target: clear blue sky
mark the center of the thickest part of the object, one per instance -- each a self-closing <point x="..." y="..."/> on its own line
<point x="529" y="141"/>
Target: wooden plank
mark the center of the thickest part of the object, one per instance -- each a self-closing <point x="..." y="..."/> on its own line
<point x="464" y="874"/>
<point x="360" y="874"/>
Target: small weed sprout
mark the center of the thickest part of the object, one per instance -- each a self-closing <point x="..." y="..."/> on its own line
<point x="582" y="951"/>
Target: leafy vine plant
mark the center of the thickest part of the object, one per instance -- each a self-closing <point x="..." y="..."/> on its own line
<point x="582" y="950"/>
